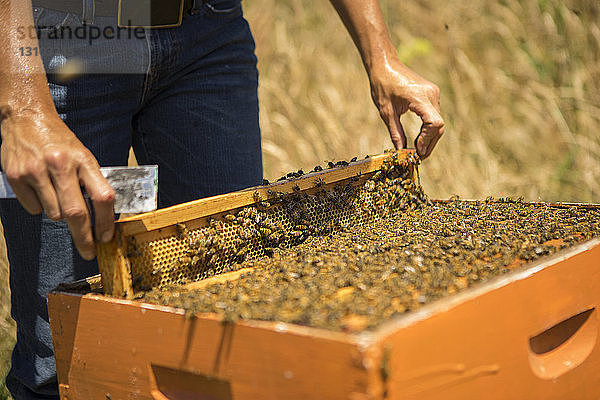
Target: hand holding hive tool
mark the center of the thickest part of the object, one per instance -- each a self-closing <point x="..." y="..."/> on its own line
<point x="135" y="188"/>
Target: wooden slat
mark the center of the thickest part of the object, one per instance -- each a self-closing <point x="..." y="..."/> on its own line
<point x="114" y="267"/>
<point x="212" y="205"/>
<point x="119" y="344"/>
<point x="221" y="278"/>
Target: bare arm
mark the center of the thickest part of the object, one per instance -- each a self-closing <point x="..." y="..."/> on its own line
<point x="43" y="160"/>
<point x="394" y="87"/>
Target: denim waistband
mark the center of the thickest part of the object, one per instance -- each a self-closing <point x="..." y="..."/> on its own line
<point x="100" y="8"/>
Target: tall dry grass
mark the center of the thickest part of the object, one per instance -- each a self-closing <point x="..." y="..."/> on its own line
<point x="520" y="83"/>
<point x="7" y="326"/>
<point x="520" y="87"/>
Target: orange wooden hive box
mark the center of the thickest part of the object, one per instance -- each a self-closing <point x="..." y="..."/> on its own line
<point x="531" y="333"/>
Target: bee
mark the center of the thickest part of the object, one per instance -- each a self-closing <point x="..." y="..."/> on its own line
<point x="319" y="182"/>
<point x="257" y="197"/>
<point x="182" y="230"/>
<point x="134" y="253"/>
<point x="241" y="254"/>
<point x="265" y="182"/>
<point x="265" y="231"/>
<point x="296" y="188"/>
<point x="317" y="168"/>
<point x="330" y="164"/>
<point x="156" y="270"/>
<point x="230" y="218"/>
<point x="132" y="248"/>
<point x="275" y="236"/>
<point x="185" y="260"/>
<point x="137" y="280"/>
<point x="379" y="174"/>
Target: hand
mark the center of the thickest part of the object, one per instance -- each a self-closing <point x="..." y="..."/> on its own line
<point x="46" y="166"/>
<point x="395" y="90"/>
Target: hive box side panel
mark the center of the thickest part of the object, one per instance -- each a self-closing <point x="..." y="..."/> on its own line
<point x="127" y="350"/>
<point x="499" y="344"/>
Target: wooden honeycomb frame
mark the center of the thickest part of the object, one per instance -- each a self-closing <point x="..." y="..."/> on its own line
<point x="150" y="242"/>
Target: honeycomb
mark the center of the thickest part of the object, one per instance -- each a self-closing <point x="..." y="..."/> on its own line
<point x="221" y="243"/>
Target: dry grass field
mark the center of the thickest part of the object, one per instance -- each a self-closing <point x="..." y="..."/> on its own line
<point x="7" y="329"/>
<point x="520" y="82"/>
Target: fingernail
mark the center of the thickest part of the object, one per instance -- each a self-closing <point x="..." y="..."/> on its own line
<point x="89" y="255"/>
<point x="107" y="236"/>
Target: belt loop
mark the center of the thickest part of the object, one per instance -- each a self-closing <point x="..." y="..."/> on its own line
<point x="89" y="12"/>
<point x="196" y="5"/>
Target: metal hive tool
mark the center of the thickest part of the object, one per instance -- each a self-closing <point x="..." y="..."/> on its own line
<point x="192" y="241"/>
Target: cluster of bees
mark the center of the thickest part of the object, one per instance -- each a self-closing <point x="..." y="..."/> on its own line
<point x="318" y="168"/>
<point x="285" y="219"/>
<point x="357" y="277"/>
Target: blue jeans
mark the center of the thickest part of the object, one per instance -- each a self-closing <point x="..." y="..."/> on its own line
<point x="185" y="98"/>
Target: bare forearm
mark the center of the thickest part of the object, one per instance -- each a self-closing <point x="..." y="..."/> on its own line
<point x="365" y="23"/>
<point x="394" y="87"/>
<point x="43" y="160"/>
<point x="23" y="83"/>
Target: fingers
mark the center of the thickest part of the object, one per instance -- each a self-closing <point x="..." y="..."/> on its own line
<point x="73" y="207"/>
<point x="103" y="197"/>
<point x="434" y="141"/>
<point x="35" y="192"/>
<point x="391" y="118"/>
<point x="46" y="165"/>
<point x="47" y="196"/>
<point x="431" y="130"/>
<point x="58" y="193"/>
<point x="27" y="197"/>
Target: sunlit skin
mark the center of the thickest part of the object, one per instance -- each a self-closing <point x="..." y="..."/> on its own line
<point x="43" y="160"/>
<point x="47" y="165"/>
<point x="394" y="87"/>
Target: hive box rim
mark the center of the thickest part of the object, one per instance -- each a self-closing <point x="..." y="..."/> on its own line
<point x="365" y="338"/>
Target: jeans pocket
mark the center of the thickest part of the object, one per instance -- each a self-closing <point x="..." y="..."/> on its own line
<point x="223" y="8"/>
<point x="48" y="20"/>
